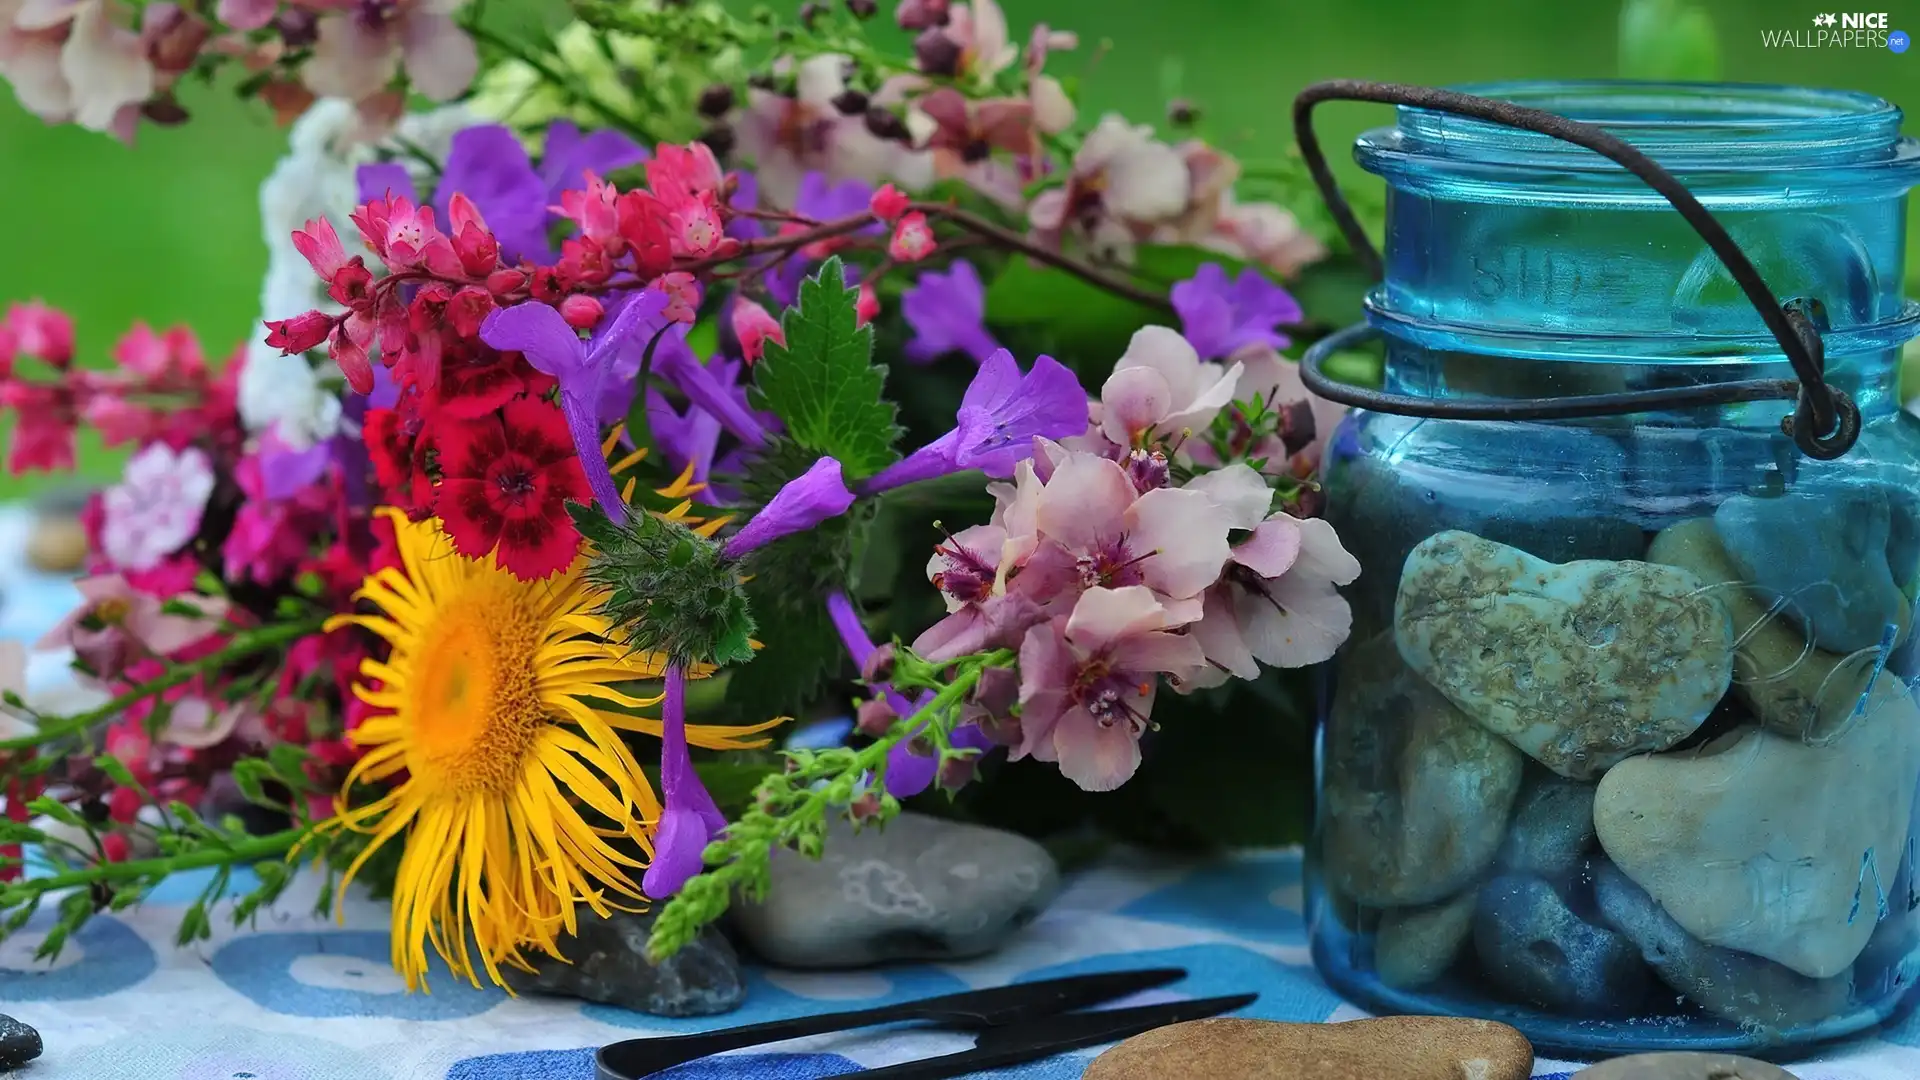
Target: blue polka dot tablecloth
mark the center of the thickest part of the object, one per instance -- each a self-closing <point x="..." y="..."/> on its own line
<point x="295" y="997"/>
<point x="301" y="998"/>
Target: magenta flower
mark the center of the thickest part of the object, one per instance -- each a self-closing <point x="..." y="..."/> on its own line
<point x="689" y="821"/>
<point x="947" y="313"/>
<point x="1000" y="415"/>
<point x="805" y="501"/>
<point x="1221" y="317"/>
<point x="1087" y="683"/>
<point x="583" y="370"/>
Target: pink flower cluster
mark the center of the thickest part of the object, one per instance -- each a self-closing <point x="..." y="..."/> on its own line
<point x="163" y="390"/>
<point x="74" y="61"/>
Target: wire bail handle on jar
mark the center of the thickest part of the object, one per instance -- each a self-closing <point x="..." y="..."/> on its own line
<point x="1825" y="421"/>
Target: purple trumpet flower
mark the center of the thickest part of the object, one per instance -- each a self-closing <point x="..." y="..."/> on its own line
<point x="689" y="821"/>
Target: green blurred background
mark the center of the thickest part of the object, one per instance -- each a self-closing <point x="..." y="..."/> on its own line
<point x="168" y="231"/>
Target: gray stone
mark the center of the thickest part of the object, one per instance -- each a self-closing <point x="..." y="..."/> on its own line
<point x="1414" y="946"/>
<point x="1683" y="1065"/>
<point x="1738" y="986"/>
<point x="1826" y="553"/>
<point x="19" y="1043"/>
<point x="1383" y="1048"/>
<point x="1581" y="665"/>
<point x="609" y="965"/>
<point x="1384" y="506"/>
<point x="1758" y="842"/>
<point x="1790" y="686"/>
<point x="1552" y="828"/>
<point x="918" y="889"/>
<point x="1415" y="795"/>
<point x="1533" y="946"/>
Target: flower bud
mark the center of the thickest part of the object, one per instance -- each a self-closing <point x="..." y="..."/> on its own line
<point x="884" y="123"/>
<point x="888" y="203"/>
<point x="719" y="139"/>
<point x="297" y="27"/>
<point x="865" y="809"/>
<point x="123" y="805"/>
<point x="996" y="692"/>
<point x="300" y="333"/>
<point x="165" y="110"/>
<point x="936" y="53"/>
<point x="754" y="328"/>
<point x="878" y="666"/>
<point x="810" y="12"/>
<point x="957" y="771"/>
<point x="116" y="847"/>
<point x="862" y="9"/>
<point x="874" y="718"/>
<point x="1182" y="113"/>
<point x="850" y="102"/>
<point x="715" y="100"/>
<point x="581" y="311"/>
<point x="921" y="14"/>
<point x="1001" y="730"/>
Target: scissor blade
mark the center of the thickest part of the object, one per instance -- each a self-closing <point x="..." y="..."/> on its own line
<point x="1000" y="1047"/>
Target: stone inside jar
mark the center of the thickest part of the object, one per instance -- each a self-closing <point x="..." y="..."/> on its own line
<point x="1613" y="787"/>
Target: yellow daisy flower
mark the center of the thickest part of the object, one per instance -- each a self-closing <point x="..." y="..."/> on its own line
<point x="494" y="702"/>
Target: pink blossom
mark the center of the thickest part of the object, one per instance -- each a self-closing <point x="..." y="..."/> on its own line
<point x="790" y="136"/>
<point x="155" y="510"/>
<point x="118" y="420"/>
<point x="979" y="28"/>
<point x="683" y="295"/>
<point x="360" y="50"/>
<point x="912" y="239"/>
<point x="42" y="440"/>
<point x="247" y="14"/>
<point x="197" y="723"/>
<point x="1124" y="184"/>
<point x="677" y="175"/>
<point x="1053" y="110"/>
<point x="964" y="133"/>
<point x="1278" y="602"/>
<point x="1087" y="683"/>
<point x="593" y="209"/>
<point x="42" y="332"/>
<point x="105" y="65"/>
<point x="1160" y="389"/>
<point x="888" y="203"/>
<point x="754" y="327"/>
<point x="1263" y="233"/>
<point x="30" y="60"/>
<point x="116" y="621"/>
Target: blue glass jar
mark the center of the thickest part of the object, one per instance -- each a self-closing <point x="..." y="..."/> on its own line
<point x="1623" y="748"/>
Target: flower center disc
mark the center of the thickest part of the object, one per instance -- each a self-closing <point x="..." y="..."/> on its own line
<point x="475" y="707"/>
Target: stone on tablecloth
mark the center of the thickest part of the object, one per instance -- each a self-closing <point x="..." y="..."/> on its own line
<point x="1388" y="1048"/>
<point x="918" y="889"/>
<point x="19" y="1043"/>
<point x="57" y="544"/>
<point x="608" y="964"/>
<point x="1683" y="1066"/>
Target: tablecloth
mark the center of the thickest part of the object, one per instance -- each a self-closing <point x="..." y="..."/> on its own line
<point x="296" y="997"/>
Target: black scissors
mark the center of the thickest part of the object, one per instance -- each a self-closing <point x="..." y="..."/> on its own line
<point x="1023" y="1022"/>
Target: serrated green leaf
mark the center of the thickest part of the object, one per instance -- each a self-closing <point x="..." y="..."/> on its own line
<point x="823" y="384"/>
<point x="1668" y="40"/>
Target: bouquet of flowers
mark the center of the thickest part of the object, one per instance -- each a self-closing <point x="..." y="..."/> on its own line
<point x="688" y="374"/>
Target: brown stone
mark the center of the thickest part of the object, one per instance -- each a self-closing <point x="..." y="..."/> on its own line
<point x="1389" y="1048"/>
<point x="1683" y="1066"/>
<point x="58" y="545"/>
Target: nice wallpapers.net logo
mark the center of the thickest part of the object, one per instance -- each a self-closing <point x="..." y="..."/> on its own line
<point x="1841" y="30"/>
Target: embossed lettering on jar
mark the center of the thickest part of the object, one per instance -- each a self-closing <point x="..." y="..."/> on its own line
<point x="1623" y="750"/>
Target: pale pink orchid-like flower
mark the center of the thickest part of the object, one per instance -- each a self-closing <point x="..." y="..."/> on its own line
<point x="961" y="136"/>
<point x="1278" y="602"/>
<point x="1263" y="233"/>
<point x="1053" y="110"/>
<point x="359" y="50"/>
<point x="101" y="73"/>
<point x="979" y="28"/>
<point x="117" y="624"/>
<point x="1088" y="679"/>
<point x="788" y="137"/>
<point x="1160" y="389"/>
<point x="1123" y="185"/>
<point x="196" y="723"/>
<point x="155" y="510"/>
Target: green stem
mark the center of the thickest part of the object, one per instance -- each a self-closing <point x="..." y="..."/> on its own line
<point x="243" y="644"/>
<point x="249" y="850"/>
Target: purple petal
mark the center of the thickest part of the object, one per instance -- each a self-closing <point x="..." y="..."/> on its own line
<point x="569" y="156"/>
<point x="1220" y="317"/>
<point x="583" y="423"/>
<point x="815" y="496"/>
<point x="822" y="201"/>
<point x="937" y="458"/>
<point x="690" y="820"/>
<point x="381" y="179"/>
<point x="995" y="384"/>
<point x="1049" y="403"/>
<point x="630" y="322"/>
<point x="853" y="633"/>
<point x="675" y="362"/>
<point x="946" y="312"/>
<point x="746" y="196"/>
<point x="488" y="165"/>
<point x="692" y="439"/>
<point x="285" y="471"/>
<point x="908" y="773"/>
<point x="542" y="336"/>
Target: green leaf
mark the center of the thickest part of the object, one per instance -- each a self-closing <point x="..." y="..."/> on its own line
<point x="250" y="775"/>
<point x="289" y="764"/>
<point x="823" y="383"/>
<point x="1668" y="40"/>
<point x="118" y="772"/>
<point x="48" y="806"/>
